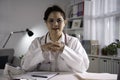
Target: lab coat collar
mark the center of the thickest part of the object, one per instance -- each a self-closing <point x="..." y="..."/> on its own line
<point x="62" y="38"/>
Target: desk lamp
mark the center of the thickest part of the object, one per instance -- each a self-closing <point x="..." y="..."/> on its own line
<point x="30" y="33"/>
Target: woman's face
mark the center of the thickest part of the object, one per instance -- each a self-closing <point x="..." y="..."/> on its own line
<point x="55" y="23"/>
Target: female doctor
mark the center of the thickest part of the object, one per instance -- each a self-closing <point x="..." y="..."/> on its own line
<point x="55" y="51"/>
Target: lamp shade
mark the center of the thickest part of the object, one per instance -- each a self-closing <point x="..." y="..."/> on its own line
<point x="30" y="33"/>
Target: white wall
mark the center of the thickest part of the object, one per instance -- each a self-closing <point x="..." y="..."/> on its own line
<point x="17" y="15"/>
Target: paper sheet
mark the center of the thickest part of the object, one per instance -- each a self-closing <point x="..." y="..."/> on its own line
<point x="96" y="76"/>
<point x="28" y="76"/>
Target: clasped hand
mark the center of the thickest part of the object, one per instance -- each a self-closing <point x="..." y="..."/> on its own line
<point x="53" y="46"/>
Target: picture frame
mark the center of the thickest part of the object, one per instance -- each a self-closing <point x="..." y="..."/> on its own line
<point x="76" y="24"/>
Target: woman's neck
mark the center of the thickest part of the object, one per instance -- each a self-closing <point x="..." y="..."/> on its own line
<point x="55" y="37"/>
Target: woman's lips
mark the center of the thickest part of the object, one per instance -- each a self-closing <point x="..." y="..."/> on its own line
<point x="55" y="28"/>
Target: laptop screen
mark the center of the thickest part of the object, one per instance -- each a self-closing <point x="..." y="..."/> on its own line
<point x="118" y="77"/>
<point x="3" y="61"/>
<point x="6" y="55"/>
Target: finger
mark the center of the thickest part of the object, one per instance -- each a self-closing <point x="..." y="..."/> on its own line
<point x="56" y="44"/>
<point x="55" y="49"/>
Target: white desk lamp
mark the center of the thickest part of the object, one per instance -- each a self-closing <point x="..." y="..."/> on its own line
<point x="30" y="33"/>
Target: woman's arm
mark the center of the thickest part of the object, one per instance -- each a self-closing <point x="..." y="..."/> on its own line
<point x="75" y="56"/>
<point x="32" y="57"/>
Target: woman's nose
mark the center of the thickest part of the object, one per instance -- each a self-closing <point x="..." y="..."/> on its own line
<point x="55" y="23"/>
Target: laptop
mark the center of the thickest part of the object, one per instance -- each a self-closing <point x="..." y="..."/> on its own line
<point x="6" y="56"/>
<point x="118" y="77"/>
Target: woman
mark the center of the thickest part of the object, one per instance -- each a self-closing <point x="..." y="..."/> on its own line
<point x="55" y="51"/>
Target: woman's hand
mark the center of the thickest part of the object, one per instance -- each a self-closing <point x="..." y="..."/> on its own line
<point x="53" y="47"/>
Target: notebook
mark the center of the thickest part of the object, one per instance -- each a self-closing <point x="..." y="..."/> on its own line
<point x="96" y="76"/>
<point x="37" y="75"/>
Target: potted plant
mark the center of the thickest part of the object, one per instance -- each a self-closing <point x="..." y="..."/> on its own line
<point x="118" y="43"/>
<point x="118" y="47"/>
<point x="112" y="49"/>
<point x="104" y="51"/>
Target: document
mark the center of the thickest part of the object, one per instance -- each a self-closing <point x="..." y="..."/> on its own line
<point x="96" y="76"/>
<point x="36" y="76"/>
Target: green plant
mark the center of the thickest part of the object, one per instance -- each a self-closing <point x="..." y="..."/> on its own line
<point x="111" y="49"/>
<point x="118" y="43"/>
<point x="104" y="51"/>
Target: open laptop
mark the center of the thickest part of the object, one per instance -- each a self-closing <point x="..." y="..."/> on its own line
<point x="118" y="77"/>
<point x="6" y="56"/>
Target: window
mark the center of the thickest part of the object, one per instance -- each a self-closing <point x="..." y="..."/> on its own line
<point x="102" y="21"/>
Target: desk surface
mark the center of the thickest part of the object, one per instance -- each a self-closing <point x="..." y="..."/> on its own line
<point x="64" y="76"/>
<point x="61" y="76"/>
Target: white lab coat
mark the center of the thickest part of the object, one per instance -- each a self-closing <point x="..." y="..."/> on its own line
<point x="73" y="57"/>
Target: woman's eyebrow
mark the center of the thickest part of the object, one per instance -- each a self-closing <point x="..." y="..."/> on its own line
<point x="59" y="18"/>
<point x="55" y="18"/>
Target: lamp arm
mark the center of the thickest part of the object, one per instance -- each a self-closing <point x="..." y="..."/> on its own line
<point x="30" y="33"/>
<point x="18" y="31"/>
<point x="7" y="40"/>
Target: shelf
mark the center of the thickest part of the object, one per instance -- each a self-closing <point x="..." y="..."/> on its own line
<point x="104" y="57"/>
<point x="74" y="18"/>
<point x="75" y="3"/>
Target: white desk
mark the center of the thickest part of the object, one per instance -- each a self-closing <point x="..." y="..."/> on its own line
<point x="65" y="76"/>
<point x="61" y="76"/>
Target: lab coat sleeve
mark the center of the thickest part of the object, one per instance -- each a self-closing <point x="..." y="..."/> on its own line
<point x="75" y="56"/>
<point x="33" y="56"/>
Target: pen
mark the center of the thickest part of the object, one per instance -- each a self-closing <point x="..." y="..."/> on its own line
<point x="39" y="76"/>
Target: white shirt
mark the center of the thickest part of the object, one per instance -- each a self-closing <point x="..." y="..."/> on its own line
<point x="73" y="57"/>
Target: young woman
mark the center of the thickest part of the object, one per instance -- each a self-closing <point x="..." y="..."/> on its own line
<point x="56" y="50"/>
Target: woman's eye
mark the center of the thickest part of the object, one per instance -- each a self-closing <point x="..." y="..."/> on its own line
<point x="59" y="20"/>
<point x="51" y="20"/>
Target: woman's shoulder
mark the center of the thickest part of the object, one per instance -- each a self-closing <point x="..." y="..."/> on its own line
<point x="70" y="37"/>
<point x="38" y="39"/>
<point x="72" y="40"/>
